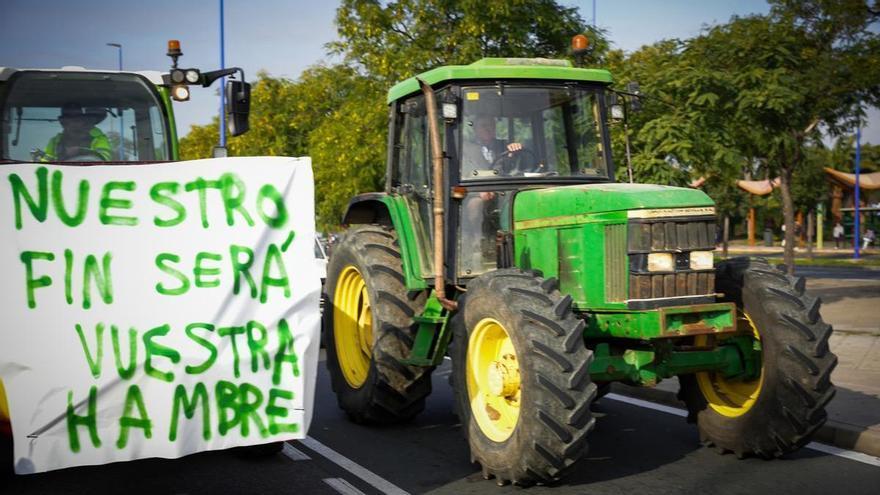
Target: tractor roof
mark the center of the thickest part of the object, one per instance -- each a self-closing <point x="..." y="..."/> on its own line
<point x="501" y="68"/>
<point x="153" y="76"/>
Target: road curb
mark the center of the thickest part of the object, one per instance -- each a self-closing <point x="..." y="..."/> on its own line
<point x="841" y="435"/>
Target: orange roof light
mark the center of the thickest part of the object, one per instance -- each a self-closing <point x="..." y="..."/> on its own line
<point x="579" y="43"/>
<point x="174" y="48"/>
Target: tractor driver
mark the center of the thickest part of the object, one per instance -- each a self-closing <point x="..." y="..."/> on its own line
<point x="485" y="151"/>
<point x="79" y="139"/>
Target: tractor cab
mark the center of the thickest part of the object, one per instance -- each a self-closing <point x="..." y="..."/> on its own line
<point x="74" y="115"/>
<point x="102" y="116"/>
<point x="506" y="125"/>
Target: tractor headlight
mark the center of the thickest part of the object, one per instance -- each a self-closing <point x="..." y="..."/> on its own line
<point x="661" y="262"/>
<point x="180" y="92"/>
<point x="702" y="260"/>
<point x="450" y="111"/>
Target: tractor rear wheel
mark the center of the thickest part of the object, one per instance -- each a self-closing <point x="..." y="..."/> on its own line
<point x="521" y="377"/>
<point x="368" y="328"/>
<point x="780" y="409"/>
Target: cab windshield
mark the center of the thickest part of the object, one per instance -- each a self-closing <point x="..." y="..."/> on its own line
<point x="532" y="132"/>
<point x="81" y="117"/>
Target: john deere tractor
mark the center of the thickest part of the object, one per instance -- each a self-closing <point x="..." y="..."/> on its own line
<point x="502" y="240"/>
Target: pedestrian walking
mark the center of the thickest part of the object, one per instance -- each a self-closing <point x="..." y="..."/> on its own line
<point x="868" y="238"/>
<point x="837" y="234"/>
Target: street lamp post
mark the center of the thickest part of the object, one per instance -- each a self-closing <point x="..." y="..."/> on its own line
<point x="857" y="238"/>
<point x="118" y="46"/>
<point x="222" y="83"/>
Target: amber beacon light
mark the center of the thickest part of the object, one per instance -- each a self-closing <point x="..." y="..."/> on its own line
<point x="579" y="43"/>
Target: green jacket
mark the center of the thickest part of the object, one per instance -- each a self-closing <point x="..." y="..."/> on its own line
<point x="100" y="145"/>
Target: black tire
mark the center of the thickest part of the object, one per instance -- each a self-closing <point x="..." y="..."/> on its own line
<point x="796" y="365"/>
<point x="556" y="392"/>
<point x="391" y="392"/>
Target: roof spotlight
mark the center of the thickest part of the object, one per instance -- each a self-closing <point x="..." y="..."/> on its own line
<point x="180" y="92"/>
<point x="193" y="76"/>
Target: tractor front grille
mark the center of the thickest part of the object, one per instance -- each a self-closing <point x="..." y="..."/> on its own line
<point x="678" y="236"/>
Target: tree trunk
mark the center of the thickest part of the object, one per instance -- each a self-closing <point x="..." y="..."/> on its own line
<point x="788" y="215"/>
<point x="725" y="236"/>
<point x="751" y="226"/>
<point x="810" y="234"/>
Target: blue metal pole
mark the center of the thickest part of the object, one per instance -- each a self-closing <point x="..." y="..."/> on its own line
<point x="222" y="83"/>
<point x="857" y="238"/>
<point x="594" y="14"/>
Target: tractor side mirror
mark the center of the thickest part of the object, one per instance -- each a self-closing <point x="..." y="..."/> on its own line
<point x="635" y="101"/>
<point x="238" y="106"/>
<point x="614" y="104"/>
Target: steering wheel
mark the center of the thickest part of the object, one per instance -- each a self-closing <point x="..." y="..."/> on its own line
<point x="85" y="155"/>
<point x="516" y="160"/>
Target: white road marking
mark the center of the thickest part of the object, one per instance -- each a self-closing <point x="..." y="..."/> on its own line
<point x="848" y="454"/>
<point x="294" y="453"/>
<point x="650" y="405"/>
<point x="342" y="486"/>
<point x="354" y="468"/>
<point x="821" y="447"/>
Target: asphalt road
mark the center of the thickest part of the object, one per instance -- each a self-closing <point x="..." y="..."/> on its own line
<point x="632" y="450"/>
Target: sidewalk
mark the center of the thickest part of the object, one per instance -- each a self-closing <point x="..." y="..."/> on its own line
<point x="740" y="248"/>
<point x="851" y="306"/>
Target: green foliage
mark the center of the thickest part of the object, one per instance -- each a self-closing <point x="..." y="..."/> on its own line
<point x="395" y="40"/>
<point x="747" y="98"/>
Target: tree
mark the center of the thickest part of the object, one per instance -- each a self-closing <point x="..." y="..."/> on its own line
<point x="805" y="64"/>
<point x="391" y="41"/>
<point x="749" y="96"/>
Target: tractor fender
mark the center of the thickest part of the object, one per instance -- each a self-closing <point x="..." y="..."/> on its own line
<point x="390" y="210"/>
<point x="368" y="208"/>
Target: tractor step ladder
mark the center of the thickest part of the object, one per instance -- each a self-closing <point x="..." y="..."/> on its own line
<point x="432" y="336"/>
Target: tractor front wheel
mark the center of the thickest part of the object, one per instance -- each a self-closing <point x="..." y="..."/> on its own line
<point x="368" y="329"/>
<point x="777" y="410"/>
<point x="521" y="377"/>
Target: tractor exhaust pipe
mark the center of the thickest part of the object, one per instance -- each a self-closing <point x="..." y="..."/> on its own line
<point x="439" y="208"/>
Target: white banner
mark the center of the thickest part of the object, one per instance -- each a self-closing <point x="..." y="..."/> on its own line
<point x="156" y="310"/>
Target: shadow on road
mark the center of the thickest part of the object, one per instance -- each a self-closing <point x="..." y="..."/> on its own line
<point x="836" y="294"/>
<point x="851" y="412"/>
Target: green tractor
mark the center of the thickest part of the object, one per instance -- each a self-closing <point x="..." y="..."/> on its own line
<point x="502" y="241"/>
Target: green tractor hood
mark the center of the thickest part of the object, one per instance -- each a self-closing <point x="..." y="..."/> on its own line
<point x="564" y="205"/>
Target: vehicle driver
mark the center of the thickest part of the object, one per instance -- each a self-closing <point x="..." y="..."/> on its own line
<point x="79" y="138"/>
<point x="485" y="151"/>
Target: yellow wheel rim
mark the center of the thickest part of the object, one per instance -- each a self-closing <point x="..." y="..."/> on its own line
<point x="730" y="397"/>
<point x="352" y="326"/>
<point x="4" y="407"/>
<point x="493" y="381"/>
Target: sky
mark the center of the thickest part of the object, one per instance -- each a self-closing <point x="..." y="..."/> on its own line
<point x="281" y="37"/>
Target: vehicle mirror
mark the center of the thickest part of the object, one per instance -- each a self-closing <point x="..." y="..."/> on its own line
<point x="238" y="106"/>
<point x="611" y="99"/>
<point x="635" y="100"/>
